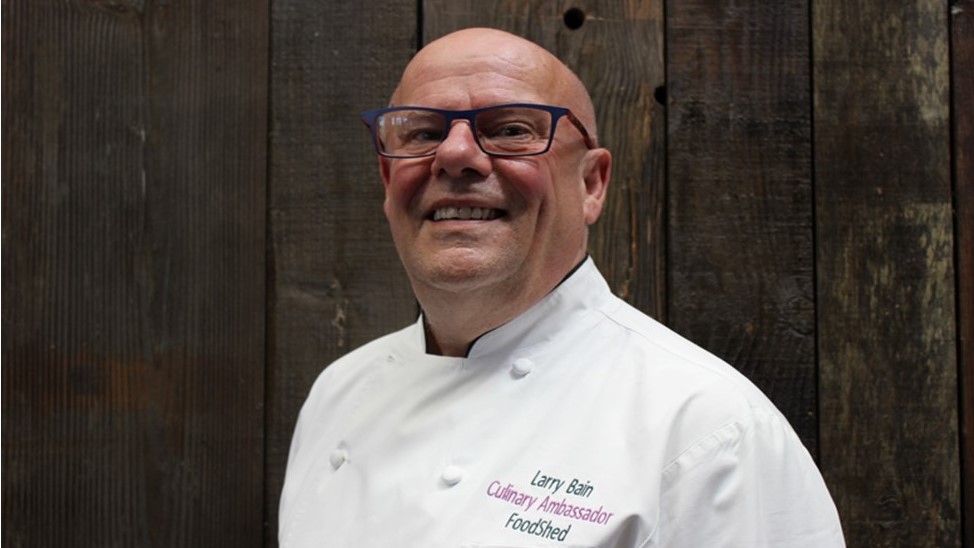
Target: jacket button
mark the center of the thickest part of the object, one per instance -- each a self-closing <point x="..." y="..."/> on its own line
<point x="522" y="366"/>
<point x="337" y="458"/>
<point x="452" y="475"/>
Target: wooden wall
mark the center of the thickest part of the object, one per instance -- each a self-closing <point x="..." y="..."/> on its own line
<point x="134" y="310"/>
<point x="192" y="230"/>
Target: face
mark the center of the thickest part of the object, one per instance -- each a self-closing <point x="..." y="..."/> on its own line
<point x="467" y="223"/>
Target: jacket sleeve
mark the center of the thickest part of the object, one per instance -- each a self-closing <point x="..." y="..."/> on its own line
<point x="750" y="483"/>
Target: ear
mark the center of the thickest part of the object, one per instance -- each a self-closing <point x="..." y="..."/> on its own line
<point x="596" y="172"/>
<point x="384" y="170"/>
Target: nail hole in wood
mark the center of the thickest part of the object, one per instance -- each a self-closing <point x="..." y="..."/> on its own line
<point x="660" y="95"/>
<point x="574" y="18"/>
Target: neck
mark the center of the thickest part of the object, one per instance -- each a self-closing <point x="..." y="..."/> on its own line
<point x="453" y="321"/>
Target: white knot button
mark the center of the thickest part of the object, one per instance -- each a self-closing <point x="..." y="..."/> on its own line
<point x="338" y="458"/>
<point x="522" y="366"/>
<point x="452" y="475"/>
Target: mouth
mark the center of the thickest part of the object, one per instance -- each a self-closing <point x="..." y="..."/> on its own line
<point x="466" y="214"/>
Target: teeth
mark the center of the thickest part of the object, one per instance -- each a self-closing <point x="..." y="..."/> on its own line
<point x="465" y="213"/>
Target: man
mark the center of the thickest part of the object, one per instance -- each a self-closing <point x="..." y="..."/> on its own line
<point x="528" y="406"/>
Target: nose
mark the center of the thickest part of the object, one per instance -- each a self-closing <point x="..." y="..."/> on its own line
<point x="458" y="155"/>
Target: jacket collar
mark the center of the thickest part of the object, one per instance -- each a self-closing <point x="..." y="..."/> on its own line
<point x="581" y="293"/>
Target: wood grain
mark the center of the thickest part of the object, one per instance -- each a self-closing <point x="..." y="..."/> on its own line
<point x="962" y="116"/>
<point x="335" y="279"/>
<point x="617" y="52"/>
<point x="782" y="194"/>
<point x="886" y="294"/>
<point x="133" y="273"/>
<point x="741" y="249"/>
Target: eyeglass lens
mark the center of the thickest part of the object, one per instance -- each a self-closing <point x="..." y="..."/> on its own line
<point x="503" y="131"/>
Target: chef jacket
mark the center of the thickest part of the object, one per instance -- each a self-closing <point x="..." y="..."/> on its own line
<point x="581" y="423"/>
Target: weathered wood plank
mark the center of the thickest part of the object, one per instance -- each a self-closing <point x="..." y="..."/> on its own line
<point x="884" y="230"/>
<point x="962" y="59"/>
<point x="335" y="279"/>
<point x="740" y="198"/>
<point x="133" y="273"/>
<point x="616" y="48"/>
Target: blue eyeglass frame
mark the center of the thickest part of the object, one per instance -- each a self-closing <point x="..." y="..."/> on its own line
<point x="450" y="116"/>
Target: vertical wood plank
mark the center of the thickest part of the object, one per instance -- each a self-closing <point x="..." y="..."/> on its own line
<point x="740" y="199"/>
<point x="335" y="279"/>
<point x="618" y="53"/>
<point x="886" y="289"/>
<point x="133" y="272"/>
<point x="962" y="77"/>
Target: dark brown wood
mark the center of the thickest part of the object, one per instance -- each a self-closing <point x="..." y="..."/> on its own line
<point x="133" y="272"/>
<point x="617" y="52"/>
<point x="150" y="383"/>
<point x="335" y="279"/>
<point x="740" y="198"/>
<point x="886" y="285"/>
<point x="962" y="116"/>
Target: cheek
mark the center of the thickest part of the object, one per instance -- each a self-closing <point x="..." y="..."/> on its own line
<point x="530" y="183"/>
<point x="559" y="187"/>
<point x="403" y="184"/>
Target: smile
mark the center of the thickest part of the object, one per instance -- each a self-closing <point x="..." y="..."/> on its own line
<point x="466" y="213"/>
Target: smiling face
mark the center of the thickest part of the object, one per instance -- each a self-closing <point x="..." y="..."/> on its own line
<point x="504" y="229"/>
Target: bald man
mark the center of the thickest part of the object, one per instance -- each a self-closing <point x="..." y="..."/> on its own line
<point x="528" y="406"/>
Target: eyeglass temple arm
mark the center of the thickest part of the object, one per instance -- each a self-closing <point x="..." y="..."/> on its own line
<point x="589" y="142"/>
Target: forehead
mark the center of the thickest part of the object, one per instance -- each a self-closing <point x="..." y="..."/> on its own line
<point x="467" y="78"/>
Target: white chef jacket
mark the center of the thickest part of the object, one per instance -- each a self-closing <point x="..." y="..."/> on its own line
<point x="581" y="423"/>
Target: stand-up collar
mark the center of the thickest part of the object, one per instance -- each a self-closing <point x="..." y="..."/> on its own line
<point x="583" y="292"/>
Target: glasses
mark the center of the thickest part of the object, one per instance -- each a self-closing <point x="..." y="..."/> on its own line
<point x="519" y="129"/>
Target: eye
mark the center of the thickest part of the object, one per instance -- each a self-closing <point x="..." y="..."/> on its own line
<point x="509" y="130"/>
<point x="418" y="129"/>
<point x="421" y="135"/>
<point x="513" y="124"/>
<point x="513" y="130"/>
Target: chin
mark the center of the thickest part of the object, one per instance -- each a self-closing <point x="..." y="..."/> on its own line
<point x="458" y="272"/>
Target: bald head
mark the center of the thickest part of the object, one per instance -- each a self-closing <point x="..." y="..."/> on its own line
<point x="476" y="67"/>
